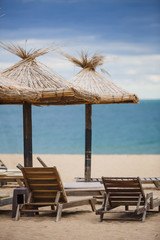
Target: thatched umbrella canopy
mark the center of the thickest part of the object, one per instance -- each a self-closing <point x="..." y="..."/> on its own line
<point x="27" y="82"/>
<point x="12" y="92"/>
<point x="90" y="80"/>
<point x="50" y="88"/>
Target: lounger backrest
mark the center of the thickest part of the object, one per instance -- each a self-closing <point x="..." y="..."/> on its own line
<point x="123" y="191"/>
<point x="44" y="183"/>
<point x="2" y="165"/>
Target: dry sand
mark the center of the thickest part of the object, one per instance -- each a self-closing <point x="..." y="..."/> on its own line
<point x="80" y="223"/>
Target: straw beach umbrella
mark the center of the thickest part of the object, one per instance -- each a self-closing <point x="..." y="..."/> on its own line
<point x="50" y="88"/>
<point x="92" y="81"/>
<point x="11" y="92"/>
<point x="39" y="87"/>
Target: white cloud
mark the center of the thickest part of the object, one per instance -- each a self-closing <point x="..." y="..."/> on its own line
<point x="131" y="71"/>
<point x="154" y="78"/>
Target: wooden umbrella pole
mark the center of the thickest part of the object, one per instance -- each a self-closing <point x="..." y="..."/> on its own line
<point x="88" y="140"/>
<point x="27" y="131"/>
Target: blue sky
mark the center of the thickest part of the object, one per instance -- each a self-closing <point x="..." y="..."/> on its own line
<point x="127" y="32"/>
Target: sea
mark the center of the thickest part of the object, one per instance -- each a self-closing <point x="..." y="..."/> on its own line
<point x="116" y="129"/>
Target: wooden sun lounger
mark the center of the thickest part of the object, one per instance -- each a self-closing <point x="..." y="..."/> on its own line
<point x="5" y="199"/>
<point x="10" y="178"/>
<point x="147" y="180"/>
<point x="45" y="188"/>
<point x="126" y="192"/>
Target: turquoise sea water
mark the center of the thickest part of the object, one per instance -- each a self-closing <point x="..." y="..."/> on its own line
<point x="117" y="129"/>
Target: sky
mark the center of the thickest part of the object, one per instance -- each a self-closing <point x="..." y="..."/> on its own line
<point x="126" y="32"/>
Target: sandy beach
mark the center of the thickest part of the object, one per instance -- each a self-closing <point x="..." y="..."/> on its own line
<point x="80" y="223"/>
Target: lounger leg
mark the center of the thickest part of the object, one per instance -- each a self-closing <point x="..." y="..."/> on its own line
<point x="149" y="196"/>
<point x="144" y="216"/>
<point x="92" y="203"/>
<point x="18" y="214"/>
<point x="59" y="212"/>
<point x="104" y="206"/>
<point x="101" y="217"/>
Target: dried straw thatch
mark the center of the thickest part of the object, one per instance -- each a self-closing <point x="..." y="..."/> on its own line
<point x="92" y="81"/>
<point x="13" y="93"/>
<point x="38" y="84"/>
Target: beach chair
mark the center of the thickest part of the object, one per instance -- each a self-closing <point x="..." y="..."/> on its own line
<point x="144" y="180"/>
<point x="126" y="192"/>
<point x="45" y="188"/>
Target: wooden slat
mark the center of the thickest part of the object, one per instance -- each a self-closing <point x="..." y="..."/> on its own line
<point x="48" y="200"/>
<point x="123" y="190"/>
<point x="128" y="182"/>
<point x="44" y="191"/>
<point x="40" y="170"/>
<point x="54" y="186"/>
<point x="46" y="187"/>
<point x="113" y="211"/>
<point x="121" y="185"/>
<point x="116" y="204"/>
<point x="49" y="176"/>
<point x="39" y="204"/>
<point x="42" y="182"/>
<point x="125" y="194"/>
<point x="42" y="178"/>
<point x="113" y="199"/>
<point x="38" y="210"/>
<point x="40" y="173"/>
